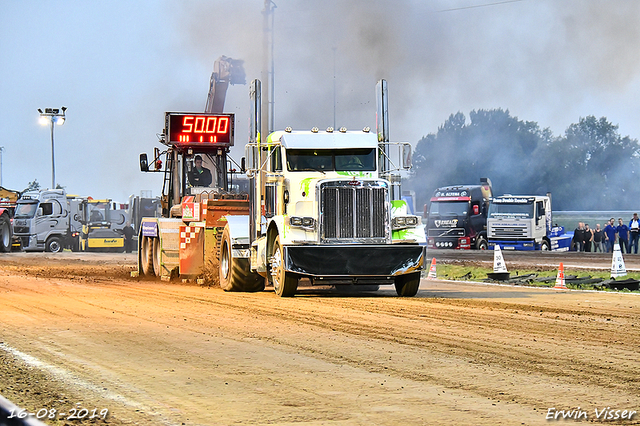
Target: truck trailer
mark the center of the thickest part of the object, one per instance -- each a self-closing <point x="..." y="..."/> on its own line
<point x="320" y="206"/>
<point x="524" y="222"/>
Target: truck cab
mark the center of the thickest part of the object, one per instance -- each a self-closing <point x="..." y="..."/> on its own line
<point x="524" y="222"/>
<point x="41" y="220"/>
<point x="457" y="217"/>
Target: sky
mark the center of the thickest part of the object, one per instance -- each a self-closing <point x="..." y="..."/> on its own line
<point x="119" y="65"/>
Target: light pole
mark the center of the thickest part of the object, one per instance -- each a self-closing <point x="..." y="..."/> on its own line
<point x="52" y="116"/>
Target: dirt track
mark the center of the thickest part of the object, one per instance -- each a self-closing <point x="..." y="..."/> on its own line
<point x="172" y="353"/>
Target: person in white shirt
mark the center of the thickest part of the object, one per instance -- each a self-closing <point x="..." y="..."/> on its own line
<point x="634" y="233"/>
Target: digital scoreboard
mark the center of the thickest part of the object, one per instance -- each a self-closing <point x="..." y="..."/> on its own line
<point x="199" y="129"/>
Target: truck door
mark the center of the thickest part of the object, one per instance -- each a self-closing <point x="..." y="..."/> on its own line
<point x="540" y="219"/>
<point x="50" y="220"/>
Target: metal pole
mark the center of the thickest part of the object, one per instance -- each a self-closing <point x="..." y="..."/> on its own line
<point x="53" y="161"/>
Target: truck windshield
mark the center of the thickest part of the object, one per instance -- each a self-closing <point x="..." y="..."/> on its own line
<point x="25" y="210"/>
<point x="449" y="208"/>
<point x="520" y="211"/>
<point x="325" y="160"/>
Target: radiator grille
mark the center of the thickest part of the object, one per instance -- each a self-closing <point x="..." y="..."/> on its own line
<point x="350" y="212"/>
<point x="508" y="231"/>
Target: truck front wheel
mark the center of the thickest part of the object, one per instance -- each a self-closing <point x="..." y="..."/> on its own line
<point x="481" y="243"/>
<point x="54" y="245"/>
<point x="284" y="283"/>
<point x="544" y="245"/>
<point x="5" y="233"/>
<point x="235" y="273"/>
<point x="407" y="285"/>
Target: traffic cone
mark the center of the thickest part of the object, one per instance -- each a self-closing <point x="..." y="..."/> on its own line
<point x="617" y="263"/>
<point x="560" y="284"/>
<point x="500" y="272"/>
<point x="499" y="266"/>
<point x="432" y="270"/>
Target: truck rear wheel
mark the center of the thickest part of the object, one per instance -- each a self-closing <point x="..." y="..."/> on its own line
<point x="155" y="257"/>
<point x="53" y="245"/>
<point x="5" y="233"/>
<point x="407" y="285"/>
<point x="284" y="283"/>
<point x="235" y="273"/>
<point x="146" y="256"/>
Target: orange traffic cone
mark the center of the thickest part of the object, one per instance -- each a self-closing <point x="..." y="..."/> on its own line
<point x="560" y="285"/>
<point x="432" y="270"/>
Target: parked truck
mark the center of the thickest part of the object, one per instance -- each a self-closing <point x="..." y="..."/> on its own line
<point x="320" y="206"/>
<point x="51" y="220"/>
<point x="524" y="222"/>
<point x="457" y="216"/>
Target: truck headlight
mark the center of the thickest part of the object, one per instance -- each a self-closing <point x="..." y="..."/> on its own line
<point x="302" y="222"/>
<point x="400" y="222"/>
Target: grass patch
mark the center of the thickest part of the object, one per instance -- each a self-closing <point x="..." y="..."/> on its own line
<point x="533" y="277"/>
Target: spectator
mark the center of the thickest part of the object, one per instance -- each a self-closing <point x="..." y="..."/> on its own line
<point x="610" y="234"/>
<point x="623" y="236"/>
<point x="128" y="232"/>
<point x="598" y="239"/>
<point x="634" y="233"/>
<point x="578" y="237"/>
<point x="588" y="237"/>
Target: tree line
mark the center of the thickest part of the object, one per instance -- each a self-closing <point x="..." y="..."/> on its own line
<point x="590" y="167"/>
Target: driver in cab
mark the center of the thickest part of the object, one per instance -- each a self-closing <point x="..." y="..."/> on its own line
<point x="198" y="175"/>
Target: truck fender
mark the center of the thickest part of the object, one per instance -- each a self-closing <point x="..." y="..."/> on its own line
<point x="238" y="229"/>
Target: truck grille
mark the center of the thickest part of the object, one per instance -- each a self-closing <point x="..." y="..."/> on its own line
<point x="20" y="229"/>
<point x="446" y="232"/>
<point x="356" y="213"/>
<point x="508" y="231"/>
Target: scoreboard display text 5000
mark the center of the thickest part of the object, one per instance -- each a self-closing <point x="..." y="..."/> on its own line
<point x="199" y="129"/>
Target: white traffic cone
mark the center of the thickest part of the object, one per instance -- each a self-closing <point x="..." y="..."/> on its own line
<point x="432" y="270"/>
<point x="499" y="266"/>
<point x="617" y="263"/>
<point x="500" y="272"/>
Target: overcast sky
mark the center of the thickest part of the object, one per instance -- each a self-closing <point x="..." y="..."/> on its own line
<point x="119" y="65"/>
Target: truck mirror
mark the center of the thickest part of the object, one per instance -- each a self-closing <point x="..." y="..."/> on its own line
<point x="252" y="157"/>
<point x="144" y="164"/>
<point x="406" y="156"/>
<point x="243" y="165"/>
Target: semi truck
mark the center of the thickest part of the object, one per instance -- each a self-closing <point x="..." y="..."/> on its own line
<point x="51" y="220"/>
<point x="320" y="206"/>
<point x="457" y="216"/>
<point x="524" y="222"/>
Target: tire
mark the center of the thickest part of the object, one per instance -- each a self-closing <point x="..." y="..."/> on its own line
<point x="284" y="283"/>
<point x="53" y="245"/>
<point x="481" y="243"/>
<point x="156" y="254"/>
<point x="235" y="273"/>
<point x="146" y="256"/>
<point x="5" y="233"/>
<point x="407" y="285"/>
<point x="544" y="245"/>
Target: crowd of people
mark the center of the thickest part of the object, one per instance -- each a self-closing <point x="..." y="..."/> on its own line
<point x="603" y="239"/>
